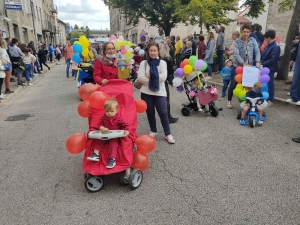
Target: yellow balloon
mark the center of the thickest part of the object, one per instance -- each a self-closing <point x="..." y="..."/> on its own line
<point x="187" y="69"/>
<point x="84" y="41"/>
<point x="129" y="43"/>
<point x="239" y="86"/>
<point x="76" y="42"/>
<point x="120" y="43"/>
<point x="85" y="52"/>
<point x="128" y="54"/>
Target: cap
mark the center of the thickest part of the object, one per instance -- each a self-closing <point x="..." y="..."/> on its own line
<point x="228" y="60"/>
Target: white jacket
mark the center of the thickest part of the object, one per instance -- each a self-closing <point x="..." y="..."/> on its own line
<point x="163" y="72"/>
<point x="4" y="55"/>
<point x="2" y="73"/>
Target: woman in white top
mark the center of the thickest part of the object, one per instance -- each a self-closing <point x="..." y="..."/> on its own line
<point x="153" y="76"/>
<point x="7" y="63"/>
<point x="160" y="37"/>
<point x="28" y="60"/>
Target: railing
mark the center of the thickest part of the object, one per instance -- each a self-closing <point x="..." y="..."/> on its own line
<point x="47" y="26"/>
<point x="54" y="9"/>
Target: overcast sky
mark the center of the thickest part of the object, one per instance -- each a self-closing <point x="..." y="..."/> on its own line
<point x="92" y="13"/>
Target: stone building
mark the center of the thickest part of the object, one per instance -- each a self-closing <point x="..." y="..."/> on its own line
<point x="61" y="32"/>
<point x="36" y="20"/>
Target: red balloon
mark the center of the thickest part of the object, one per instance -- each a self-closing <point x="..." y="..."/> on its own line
<point x="97" y="99"/>
<point x="145" y="143"/>
<point x="140" y="161"/>
<point x="239" y="70"/>
<point x="238" y="78"/>
<point x="141" y="106"/>
<point x="183" y="64"/>
<point x="76" y="143"/>
<point x="86" y="90"/>
<point x="84" y="109"/>
<point x="98" y="87"/>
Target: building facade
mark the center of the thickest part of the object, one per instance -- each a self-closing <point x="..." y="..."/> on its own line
<point x="36" y="20"/>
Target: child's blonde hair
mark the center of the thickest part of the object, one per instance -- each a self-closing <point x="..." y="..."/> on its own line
<point x="3" y="43"/>
<point x="111" y="104"/>
<point x="258" y="85"/>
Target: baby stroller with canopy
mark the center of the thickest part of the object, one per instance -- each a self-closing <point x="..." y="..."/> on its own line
<point x="85" y="74"/>
<point x="200" y="96"/>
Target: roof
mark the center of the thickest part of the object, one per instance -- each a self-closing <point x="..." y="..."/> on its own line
<point x="61" y="21"/>
<point x="242" y="19"/>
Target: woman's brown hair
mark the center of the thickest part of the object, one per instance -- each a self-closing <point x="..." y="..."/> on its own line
<point x="104" y="46"/>
<point x="3" y="43"/>
<point x="153" y="44"/>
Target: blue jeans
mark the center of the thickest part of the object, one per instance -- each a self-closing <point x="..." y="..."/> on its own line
<point x="271" y="88"/>
<point x="28" y="69"/>
<point x="295" y="90"/>
<point x="220" y="54"/>
<point x="37" y="66"/>
<point x="68" y="61"/>
<point x="74" y="73"/>
<point x="209" y="70"/>
<point x="225" y="85"/>
<point x="232" y="83"/>
<point x="160" y="103"/>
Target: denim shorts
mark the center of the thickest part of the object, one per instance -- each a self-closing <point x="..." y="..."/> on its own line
<point x="7" y="67"/>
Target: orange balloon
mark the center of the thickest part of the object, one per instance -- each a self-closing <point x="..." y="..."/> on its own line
<point x="238" y="78"/>
<point x="76" y="143"/>
<point x="140" y="161"/>
<point x="86" y="90"/>
<point x="84" y="109"/>
<point x="141" y="106"/>
<point x="186" y="60"/>
<point x="97" y="99"/>
<point x="145" y="143"/>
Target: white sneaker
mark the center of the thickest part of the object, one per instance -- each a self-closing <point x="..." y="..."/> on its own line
<point x="35" y="74"/>
<point x="153" y="134"/>
<point x="170" y="139"/>
<point x="2" y="96"/>
<point x="29" y="83"/>
<point x="298" y="103"/>
<point x="289" y="100"/>
<point x="260" y="122"/>
<point x="270" y="104"/>
<point x="288" y="94"/>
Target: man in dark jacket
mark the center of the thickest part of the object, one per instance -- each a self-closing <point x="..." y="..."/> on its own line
<point x="194" y="44"/>
<point x="37" y="66"/>
<point x="269" y="58"/>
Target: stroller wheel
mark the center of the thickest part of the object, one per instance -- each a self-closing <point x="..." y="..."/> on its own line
<point x="124" y="181"/>
<point x="93" y="184"/>
<point x="185" y="111"/>
<point x="214" y="111"/>
<point x="135" y="179"/>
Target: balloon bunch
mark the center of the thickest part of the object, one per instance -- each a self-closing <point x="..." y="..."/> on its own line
<point x="241" y="91"/>
<point x="80" y="47"/>
<point x="186" y="68"/>
<point x="145" y="144"/>
<point x="92" y="98"/>
<point x="124" y="47"/>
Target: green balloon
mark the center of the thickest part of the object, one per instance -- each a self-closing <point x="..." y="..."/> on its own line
<point x="117" y="47"/>
<point x="125" y="43"/>
<point x="204" y="67"/>
<point x="241" y="100"/>
<point x="192" y="60"/>
<point x="127" y="59"/>
<point x="236" y="92"/>
<point x="242" y="94"/>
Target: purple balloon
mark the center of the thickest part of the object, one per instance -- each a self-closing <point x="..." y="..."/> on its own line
<point x="264" y="78"/>
<point x="199" y="64"/>
<point x="265" y="71"/>
<point x="179" y="72"/>
<point x="180" y="88"/>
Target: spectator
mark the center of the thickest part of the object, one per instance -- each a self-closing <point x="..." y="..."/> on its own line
<point x="160" y="37"/>
<point x="277" y="39"/>
<point x="178" y="49"/>
<point x="153" y="90"/>
<point x="68" y="51"/>
<point x="28" y="60"/>
<point x="16" y="59"/>
<point x="194" y="44"/>
<point x="51" y="51"/>
<point x="188" y="51"/>
<point x="106" y="65"/>
<point x="172" y="50"/>
<point x="57" y="53"/>
<point x="201" y="47"/>
<point x="137" y="58"/>
<point x="253" y="34"/>
<point x="42" y="57"/>
<point x="270" y="58"/>
<point x="259" y="34"/>
<point x="235" y="35"/>
<point x="33" y="50"/>
<point x="244" y="48"/>
<point x="5" y="57"/>
<point x="209" y="53"/>
<point x="220" y="47"/>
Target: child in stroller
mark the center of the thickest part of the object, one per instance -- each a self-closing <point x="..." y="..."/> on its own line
<point x="200" y="95"/>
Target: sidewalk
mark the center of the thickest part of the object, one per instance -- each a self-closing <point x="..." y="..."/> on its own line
<point x="14" y="85"/>
<point x="280" y="93"/>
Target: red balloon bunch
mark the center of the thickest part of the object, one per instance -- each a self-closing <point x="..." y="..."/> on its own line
<point x="86" y="90"/>
<point x="97" y="99"/>
<point x="145" y="144"/>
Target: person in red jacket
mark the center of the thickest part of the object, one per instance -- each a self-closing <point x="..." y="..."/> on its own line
<point x="110" y="121"/>
<point x="106" y="65"/>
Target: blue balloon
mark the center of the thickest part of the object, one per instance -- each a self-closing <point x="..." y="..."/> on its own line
<point x="265" y="95"/>
<point x="264" y="87"/>
<point x="76" y="58"/>
<point x="77" y="48"/>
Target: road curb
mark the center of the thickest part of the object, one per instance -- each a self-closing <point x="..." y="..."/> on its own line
<point x="276" y="99"/>
<point x="20" y="88"/>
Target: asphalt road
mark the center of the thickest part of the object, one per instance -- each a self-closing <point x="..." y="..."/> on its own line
<point x="218" y="172"/>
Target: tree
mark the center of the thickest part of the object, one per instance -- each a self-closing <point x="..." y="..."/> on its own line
<point x="257" y="6"/>
<point x="87" y="32"/>
<point x="207" y="12"/>
<point x="82" y="28"/>
<point x="157" y="12"/>
<point x="76" y="27"/>
<point x="74" y="34"/>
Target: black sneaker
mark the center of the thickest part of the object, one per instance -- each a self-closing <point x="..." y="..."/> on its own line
<point x="296" y="139"/>
<point x="93" y="157"/>
<point x="12" y="80"/>
<point x="172" y="119"/>
<point x="111" y="163"/>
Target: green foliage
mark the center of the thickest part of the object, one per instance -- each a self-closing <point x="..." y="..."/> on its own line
<point x="82" y="28"/>
<point x="157" y="12"/>
<point x="76" y="27"/>
<point x="74" y="34"/>
<point x="87" y="32"/>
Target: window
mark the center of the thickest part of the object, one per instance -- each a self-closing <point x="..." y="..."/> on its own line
<point x="37" y="13"/>
<point x="41" y="13"/>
